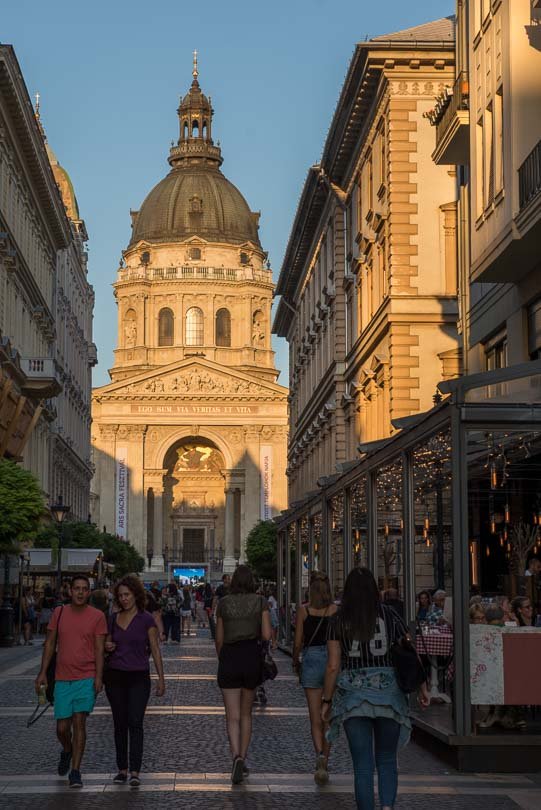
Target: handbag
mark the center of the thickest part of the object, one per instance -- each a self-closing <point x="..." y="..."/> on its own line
<point x="314" y="634"/>
<point x="51" y="669"/>
<point x="410" y="673"/>
<point x="270" y="670"/>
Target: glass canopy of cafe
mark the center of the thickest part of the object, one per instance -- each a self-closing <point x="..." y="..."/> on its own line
<point x="450" y="502"/>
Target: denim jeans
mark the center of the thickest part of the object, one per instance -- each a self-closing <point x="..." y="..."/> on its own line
<point x="366" y="736"/>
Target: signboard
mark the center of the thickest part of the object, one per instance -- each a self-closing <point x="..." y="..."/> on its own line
<point x="265" y="468"/>
<point x="122" y="492"/>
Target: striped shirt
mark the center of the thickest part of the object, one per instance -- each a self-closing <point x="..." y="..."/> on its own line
<point x="390" y="628"/>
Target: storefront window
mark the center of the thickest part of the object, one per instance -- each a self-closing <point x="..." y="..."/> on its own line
<point x="504" y="544"/>
<point x="390" y="528"/>
<point x="359" y="522"/>
<point x="433" y="571"/>
<point x="337" y="572"/>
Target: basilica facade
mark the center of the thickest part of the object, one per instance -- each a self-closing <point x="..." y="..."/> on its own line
<point x="189" y="438"/>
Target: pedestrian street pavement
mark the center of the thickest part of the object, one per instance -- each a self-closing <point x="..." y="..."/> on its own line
<point x="187" y="763"/>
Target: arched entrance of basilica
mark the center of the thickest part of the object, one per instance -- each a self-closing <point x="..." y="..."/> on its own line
<point x="202" y="503"/>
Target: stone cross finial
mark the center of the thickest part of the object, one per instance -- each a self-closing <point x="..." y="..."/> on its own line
<point x="195" y="71"/>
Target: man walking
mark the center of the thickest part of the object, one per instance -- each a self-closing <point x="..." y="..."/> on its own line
<point x="77" y="632"/>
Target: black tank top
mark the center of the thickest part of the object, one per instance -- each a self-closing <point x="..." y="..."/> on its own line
<point x="309" y="630"/>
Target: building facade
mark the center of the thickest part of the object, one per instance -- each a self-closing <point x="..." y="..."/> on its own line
<point x="190" y="436"/>
<point x="369" y="279"/>
<point x="46" y="305"/>
<point x="488" y="126"/>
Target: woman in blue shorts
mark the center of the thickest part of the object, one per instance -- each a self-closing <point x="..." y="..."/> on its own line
<point x="311" y="645"/>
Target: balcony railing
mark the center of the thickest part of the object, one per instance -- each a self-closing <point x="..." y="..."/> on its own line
<point x="459" y="99"/>
<point x="41" y="377"/>
<point x="529" y="177"/>
<point x="194" y="272"/>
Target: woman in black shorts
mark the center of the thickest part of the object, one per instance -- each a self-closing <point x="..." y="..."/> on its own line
<point x="242" y="622"/>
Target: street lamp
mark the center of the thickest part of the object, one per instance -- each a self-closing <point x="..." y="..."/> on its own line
<point x="59" y="512"/>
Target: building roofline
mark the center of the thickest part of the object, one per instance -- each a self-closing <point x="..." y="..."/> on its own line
<point x="36" y="160"/>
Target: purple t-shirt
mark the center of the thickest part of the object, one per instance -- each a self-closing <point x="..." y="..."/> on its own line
<point x="132" y="646"/>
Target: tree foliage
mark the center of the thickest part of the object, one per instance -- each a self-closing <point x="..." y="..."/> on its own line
<point x="85" y="535"/>
<point x="21" y="506"/>
<point x="261" y="550"/>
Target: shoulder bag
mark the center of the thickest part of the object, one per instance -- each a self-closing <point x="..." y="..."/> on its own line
<point x="410" y="673"/>
<point x="51" y="669"/>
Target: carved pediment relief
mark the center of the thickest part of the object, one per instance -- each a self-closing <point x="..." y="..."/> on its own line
<point x="193" y="381"/>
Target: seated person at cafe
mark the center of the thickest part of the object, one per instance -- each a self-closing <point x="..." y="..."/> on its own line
<point x="435" y="615"/>
<point x="494" y="615"/>
<point x="534" y="567"/>
<point x="503" y="602"/>
<point x="424" y="603"/>
<point x="391" y="598"/>
<point x="477" y="614"/>
<point x="523" y="610"/>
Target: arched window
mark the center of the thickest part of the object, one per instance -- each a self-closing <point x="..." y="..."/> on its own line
<point x="194" y="327"/>
<point x="195" y="129"/>
<point x="223" y="327"/>
<point x="185" y="130"/>
<point x="166" y="327"/>
<point x="205" y="129"/>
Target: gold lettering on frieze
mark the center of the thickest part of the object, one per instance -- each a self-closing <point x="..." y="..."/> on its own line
<point x="191" y="410"/>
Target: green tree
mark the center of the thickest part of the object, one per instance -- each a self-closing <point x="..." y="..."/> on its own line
<point x="261" y="550"/>
<point x="21" y="506"/>
<point x="85" y="535"/>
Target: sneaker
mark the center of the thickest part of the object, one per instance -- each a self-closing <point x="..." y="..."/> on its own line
<point x="321" y="775"/>
<point x="120" y="778"/>
<point x="75" y="780"/>
<point x="64" y="763"/>
<point x="236" y="772"/>
<point x="245" y="771"/>
<point x="134" y="781"/>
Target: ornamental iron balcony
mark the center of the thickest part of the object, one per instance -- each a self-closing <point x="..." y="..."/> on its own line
<point x="451" y="117"/>
<point x="529" y="177"/>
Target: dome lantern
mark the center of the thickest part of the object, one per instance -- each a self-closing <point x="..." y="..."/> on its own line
<point x="195" y="113"/>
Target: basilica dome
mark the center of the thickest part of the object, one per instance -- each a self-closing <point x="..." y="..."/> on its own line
<point x="195" y="199"/>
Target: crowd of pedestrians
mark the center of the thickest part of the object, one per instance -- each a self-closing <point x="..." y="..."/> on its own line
<point x="343" y="655"/>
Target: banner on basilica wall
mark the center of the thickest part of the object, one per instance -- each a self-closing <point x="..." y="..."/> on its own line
<point x="265" y="466"/>
<point x="122" y="492"/>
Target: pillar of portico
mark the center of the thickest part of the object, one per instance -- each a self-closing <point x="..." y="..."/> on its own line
<point x="154" y="480"/>
<point x="229" y="540"/>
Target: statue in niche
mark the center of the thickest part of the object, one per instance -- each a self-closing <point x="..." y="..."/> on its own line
<point x="258" y="330"/>
<point x="130" y="334"/>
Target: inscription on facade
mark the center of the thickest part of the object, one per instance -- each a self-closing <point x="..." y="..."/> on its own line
<point x="209" y="410"/>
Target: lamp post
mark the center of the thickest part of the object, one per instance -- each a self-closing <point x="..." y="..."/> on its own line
<point x="59" y="512"/>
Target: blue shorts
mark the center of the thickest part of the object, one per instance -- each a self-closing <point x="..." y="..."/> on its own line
<point x="314" y="663"/>
<point x="73" y="697"/>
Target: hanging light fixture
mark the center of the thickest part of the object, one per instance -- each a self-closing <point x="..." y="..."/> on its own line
<point x="507" y="513"/>
<point x="493" y="523"/>
<point x="488" y="551"/>
<point x="427" y="522"/>
<point x="493" y="475"/>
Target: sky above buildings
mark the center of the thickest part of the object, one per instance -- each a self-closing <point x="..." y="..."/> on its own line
<point x="110" y="75"/>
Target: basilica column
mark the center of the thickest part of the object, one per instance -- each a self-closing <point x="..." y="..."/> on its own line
<point x="154" y="481"/>
<point x="229" y="540"/>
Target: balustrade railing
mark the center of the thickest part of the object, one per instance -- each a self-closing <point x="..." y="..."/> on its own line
<point x="193" y="272"/>
<point x="529" y="176"/>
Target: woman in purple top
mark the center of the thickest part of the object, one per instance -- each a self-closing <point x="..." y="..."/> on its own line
<point x="132" y="637"/>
